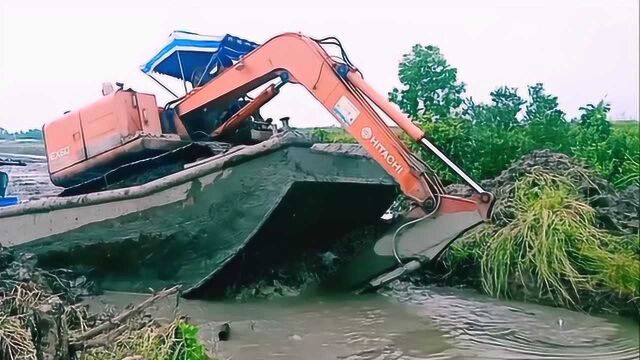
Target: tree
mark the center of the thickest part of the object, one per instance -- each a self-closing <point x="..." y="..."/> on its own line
<point x="594" y="124"/>
<point x="542" y="105"/>
<point x="547" y="127"/>
<point x="592" y="132"/>
<point x="33" y="134"/>
<point x="497" y="134"/>
<point x="501" y="113"/>
<point x="430" y="89"/>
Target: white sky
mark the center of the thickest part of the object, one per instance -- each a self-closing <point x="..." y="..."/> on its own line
<point x="54" y="55"/>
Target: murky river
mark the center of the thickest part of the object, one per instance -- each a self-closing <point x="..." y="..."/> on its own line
<point x="405" y="322"/>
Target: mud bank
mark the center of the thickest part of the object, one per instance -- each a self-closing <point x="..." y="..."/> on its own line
<point x="561" y="235"/>
<point x="616" y="211"/>
<point x="41" y="317"/>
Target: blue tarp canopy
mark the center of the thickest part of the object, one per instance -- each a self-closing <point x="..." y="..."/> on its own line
<point x="188" y="56"/>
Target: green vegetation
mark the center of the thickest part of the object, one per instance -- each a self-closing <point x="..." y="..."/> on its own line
<point x="191" y="348"/>
<point x="551" y="250"/>
<point x="35" y="324"/>
<point x="32" y="134"/>
<point x="175" y="341"/>
<point x="552" y="253"/>
<point x="485" y="138"/>
<point x="431" y="87"/>
<point x="331" y="135"/>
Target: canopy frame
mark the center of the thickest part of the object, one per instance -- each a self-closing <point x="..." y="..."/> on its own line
<point x="186" y="53"/>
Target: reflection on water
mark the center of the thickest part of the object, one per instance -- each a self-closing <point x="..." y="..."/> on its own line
<point x="406" y="322"/>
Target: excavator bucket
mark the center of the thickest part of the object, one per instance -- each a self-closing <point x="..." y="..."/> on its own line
<point x="415" y="239"/>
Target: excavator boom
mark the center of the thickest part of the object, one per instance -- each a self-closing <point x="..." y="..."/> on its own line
<point x="339" y="87"/>
<point x="301" y="60"/>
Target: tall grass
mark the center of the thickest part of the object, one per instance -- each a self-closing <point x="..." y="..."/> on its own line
<point x="630" y="173"/>
<point x="551" y="252"/>
<point x="176" y="340"/>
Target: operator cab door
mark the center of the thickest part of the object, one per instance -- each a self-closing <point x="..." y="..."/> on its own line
<point x="64" y="142"/>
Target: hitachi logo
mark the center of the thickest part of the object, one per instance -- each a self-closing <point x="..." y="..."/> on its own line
<point x="367" y="134"/>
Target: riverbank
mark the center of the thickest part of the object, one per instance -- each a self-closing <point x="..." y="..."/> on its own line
<point x="41" y="317"/>
<point x="560" y="236"/>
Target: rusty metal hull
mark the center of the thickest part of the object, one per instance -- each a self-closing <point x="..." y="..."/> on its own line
<point x="184" y="228"/>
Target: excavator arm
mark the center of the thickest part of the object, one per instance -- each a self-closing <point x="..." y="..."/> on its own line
<point x="299" y="59"/>
<point x="427" y="229"/>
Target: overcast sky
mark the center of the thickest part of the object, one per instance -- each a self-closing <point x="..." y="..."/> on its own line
<point x="54" y="55"/>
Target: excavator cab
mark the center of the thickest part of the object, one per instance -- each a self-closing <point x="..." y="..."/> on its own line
<point x="194" y="60"/>
<point x="127" y="126"/>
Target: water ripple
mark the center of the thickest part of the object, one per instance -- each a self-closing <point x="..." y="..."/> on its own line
<point x="485" y="328"/>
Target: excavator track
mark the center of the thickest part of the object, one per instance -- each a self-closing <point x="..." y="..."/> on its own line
<point x="149" y="169"/>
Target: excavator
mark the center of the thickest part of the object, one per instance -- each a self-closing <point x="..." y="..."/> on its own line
<point x="126" y="127"/>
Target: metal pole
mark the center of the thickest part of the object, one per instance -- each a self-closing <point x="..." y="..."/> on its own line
<point x="452" y="165"/>
<point x="184" y="81"/>
<point x="161" y="84"/>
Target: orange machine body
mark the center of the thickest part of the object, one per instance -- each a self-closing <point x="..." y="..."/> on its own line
<point x="98" y="129"/>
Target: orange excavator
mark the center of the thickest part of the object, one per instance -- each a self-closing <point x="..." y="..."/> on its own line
<point x="126" y="126"/>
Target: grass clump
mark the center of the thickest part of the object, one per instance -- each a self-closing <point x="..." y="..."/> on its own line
<point x="176" y="340"/>
<point x="141" y="336"/>
<point x="551" y="252"/>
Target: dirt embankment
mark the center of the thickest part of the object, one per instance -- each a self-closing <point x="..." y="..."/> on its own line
<point x="616" y="210"/>
<point x="560" y="235"/>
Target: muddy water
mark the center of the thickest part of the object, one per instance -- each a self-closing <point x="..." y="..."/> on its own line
<point x="404" y="322"/>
